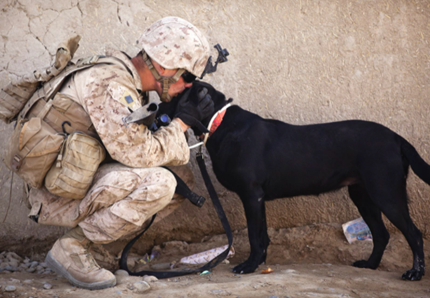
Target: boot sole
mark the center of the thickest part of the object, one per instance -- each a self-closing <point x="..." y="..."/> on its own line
<point x="59" y="269"/>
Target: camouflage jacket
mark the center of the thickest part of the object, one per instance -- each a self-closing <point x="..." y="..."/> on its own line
<point x="108" y="93"/>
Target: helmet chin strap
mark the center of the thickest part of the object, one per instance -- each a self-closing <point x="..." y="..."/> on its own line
<point x="164" y="81"/>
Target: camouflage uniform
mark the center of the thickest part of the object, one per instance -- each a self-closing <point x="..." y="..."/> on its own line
<point x="124" y="194"/>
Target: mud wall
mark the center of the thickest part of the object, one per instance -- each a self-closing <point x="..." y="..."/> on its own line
<point x="298" y="61"/>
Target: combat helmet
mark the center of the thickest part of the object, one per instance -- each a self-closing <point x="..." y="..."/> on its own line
<point x="174" y="43"/>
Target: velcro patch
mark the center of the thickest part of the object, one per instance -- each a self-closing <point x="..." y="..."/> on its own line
<point x="127" y="99"/>
<point x="123" y="95"/>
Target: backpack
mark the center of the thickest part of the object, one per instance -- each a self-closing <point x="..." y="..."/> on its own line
<point x="50" y="126"/>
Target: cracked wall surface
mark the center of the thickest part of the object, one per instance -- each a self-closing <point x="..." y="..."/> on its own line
<point x="301" y="62"/>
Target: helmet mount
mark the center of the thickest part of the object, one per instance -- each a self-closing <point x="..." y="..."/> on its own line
<point x="222" y="57"/>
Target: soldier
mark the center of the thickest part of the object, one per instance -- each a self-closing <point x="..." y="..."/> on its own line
<point x="126" y="193"/>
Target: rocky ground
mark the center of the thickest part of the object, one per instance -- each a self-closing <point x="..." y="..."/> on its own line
<point x="304" y="280"/>
<point x="304" y="264"/>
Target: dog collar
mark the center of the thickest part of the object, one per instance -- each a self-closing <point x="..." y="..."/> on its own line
<point x="212" y="126"/>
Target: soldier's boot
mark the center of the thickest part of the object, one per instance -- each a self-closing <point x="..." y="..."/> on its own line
<point x="70" y="258"/>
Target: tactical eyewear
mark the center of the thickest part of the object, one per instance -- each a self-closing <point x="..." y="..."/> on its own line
<point x="188" y="77"/>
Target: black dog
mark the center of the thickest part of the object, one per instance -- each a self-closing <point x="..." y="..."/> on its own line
<point x="262" y="159"/>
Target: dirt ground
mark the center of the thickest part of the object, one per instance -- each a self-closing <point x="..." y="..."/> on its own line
<point x="302" y="62"/>
<point x="311" y="261"/>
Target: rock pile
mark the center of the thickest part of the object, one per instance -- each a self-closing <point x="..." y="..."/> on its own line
<point x="11" y="262"/>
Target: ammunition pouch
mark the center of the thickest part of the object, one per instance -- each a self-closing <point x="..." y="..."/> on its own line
<point x="33" y="148"/>
<point x="71" y="176"/>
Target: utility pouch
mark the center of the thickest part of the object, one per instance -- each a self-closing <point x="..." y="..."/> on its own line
<point x="33" y="147"/>
<point x="71" y="176"/>
<point x="63" y="114"/>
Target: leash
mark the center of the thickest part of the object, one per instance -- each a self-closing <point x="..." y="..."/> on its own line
<point x="221" y="214"/>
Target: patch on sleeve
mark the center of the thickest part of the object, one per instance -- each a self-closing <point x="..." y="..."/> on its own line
<point x="123" y="95"/>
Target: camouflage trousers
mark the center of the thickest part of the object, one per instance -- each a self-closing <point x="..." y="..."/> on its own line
<point x="120" y="200"/>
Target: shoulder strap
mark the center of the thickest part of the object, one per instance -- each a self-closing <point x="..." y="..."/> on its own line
<point x="51" y="87"/>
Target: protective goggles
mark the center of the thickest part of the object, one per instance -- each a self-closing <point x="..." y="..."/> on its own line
<point x="188" y="77"/>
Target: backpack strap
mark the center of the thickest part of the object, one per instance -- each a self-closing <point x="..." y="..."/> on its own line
<point x="51" y="87"/>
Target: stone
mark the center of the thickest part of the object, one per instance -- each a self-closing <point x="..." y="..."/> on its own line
<point x="141" y="286"/>
<point x="15" y="281"/>
<point x="14" y="263"/>
<point x="121" y="272"/>
<point x="149" y="278"/>
<point x="10" y="288"/>
<point x="47" y="286"/>
<point x="290" y="271"/>
<point x="220" y="292"/>
<point x="259" y="285"/>
<point x="34" y="264"/>
<point x="31" y="270"/>
<point x="11" y="268"/>
<point x="14" y="256"/>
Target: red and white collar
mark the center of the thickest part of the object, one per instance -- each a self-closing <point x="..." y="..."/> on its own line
<point x="212" y="126"/>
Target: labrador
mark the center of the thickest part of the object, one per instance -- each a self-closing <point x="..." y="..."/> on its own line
<point x="264" y="159"/>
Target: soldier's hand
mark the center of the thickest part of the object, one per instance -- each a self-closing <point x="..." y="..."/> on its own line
<point x="193" y="109"/>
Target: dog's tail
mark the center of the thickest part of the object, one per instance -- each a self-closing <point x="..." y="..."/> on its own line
<point x="418" y="165"/>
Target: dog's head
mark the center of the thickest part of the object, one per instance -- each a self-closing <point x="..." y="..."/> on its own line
<point x="218" y="98"/>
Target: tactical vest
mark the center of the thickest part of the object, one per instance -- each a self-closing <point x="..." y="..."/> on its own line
<point x="52" y="127"/>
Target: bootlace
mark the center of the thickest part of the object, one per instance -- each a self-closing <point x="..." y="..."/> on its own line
<point x="89" y="258"/>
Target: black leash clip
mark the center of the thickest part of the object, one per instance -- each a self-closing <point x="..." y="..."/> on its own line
<point x="199" y="153"/>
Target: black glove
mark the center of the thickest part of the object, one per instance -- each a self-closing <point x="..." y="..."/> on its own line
<point x="193" y="108"/>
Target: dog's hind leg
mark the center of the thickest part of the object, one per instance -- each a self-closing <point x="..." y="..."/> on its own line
<point x="397" y="212"/>
<point x="387" y="188"/>
<point x="372" y="216"/>
<point x="257" y="232"/>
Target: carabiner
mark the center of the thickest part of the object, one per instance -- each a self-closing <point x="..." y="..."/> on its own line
<point x="64" y="129"/>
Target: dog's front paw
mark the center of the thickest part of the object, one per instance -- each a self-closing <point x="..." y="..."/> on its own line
<point x="245" y="267"/>
<point x="363" y="264"/>
<point x="413" y="274"/>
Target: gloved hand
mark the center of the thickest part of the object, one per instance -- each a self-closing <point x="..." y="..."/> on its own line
<point x="193" y="109"/>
